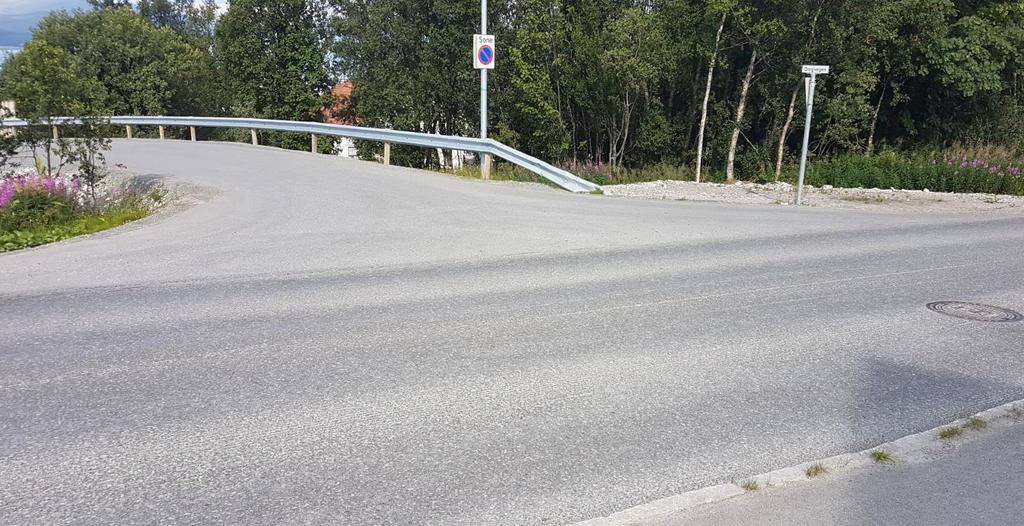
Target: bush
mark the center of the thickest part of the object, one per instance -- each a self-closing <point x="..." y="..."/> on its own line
<point x="33" y="208"/>
<point x="956" y="170"/>
<point x="36" y="210"/>
<point x="603" y="174"/>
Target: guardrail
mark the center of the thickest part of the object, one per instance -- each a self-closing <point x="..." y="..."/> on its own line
<point x="554" y="174"/>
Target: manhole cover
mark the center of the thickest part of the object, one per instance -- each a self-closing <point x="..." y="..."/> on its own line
<point x="974" y="311"/>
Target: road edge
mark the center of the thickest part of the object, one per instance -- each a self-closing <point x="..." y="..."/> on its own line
<point x="918" y="447"/>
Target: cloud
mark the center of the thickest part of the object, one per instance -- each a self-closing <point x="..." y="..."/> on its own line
<point x="18" y="17"/>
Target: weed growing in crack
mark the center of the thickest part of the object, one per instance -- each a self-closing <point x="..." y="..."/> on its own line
<point x="882" y="457"/>
<point x="750" y="485"/>
<point x="976" y="424"/>
<point x="947" y="433"/>
<point x="816" y="470"/>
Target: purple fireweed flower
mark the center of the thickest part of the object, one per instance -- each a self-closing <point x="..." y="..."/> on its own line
<point x="59" y="186"/>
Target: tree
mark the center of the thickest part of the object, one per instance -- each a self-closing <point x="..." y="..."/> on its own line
<point x="10" y="143"/>
<point x="143" y="70"/>
<point x="635" y="61"/>
<point x="48" y="83"/>
<point x="707" y="96"/>
<point x="410" y="63"/>
<point x="273" y="54"/>
<point x="194" y="21"/>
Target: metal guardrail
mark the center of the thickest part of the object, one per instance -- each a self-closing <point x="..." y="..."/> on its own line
<point x="554" y="174"/>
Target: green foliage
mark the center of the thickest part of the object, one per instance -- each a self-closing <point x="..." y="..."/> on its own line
<point x="273" y="54"/>
<point x="610" y="83"/>
<point x="976" y="424"/>
<point x="881" y="456"/>
<point x="32" y="209"/>
<point x="47" y="81"/>
<point x="43" y="234"/>
<point x="129" y="66"/>
<point x="816" y="470"/>
<point x="9" y="144"/>
<point x="950" y="432"/>
<point x="916" y="171"/>
<point x="194" y="21"/>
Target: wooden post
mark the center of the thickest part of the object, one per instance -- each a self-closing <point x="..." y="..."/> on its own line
<point x="128" y="131"/>
<point x="387" y="154"/>
<point x="161" y="132"/>
<point x="56" y="134"/>
<point x="485" y="166"/>
<point x="192" y="131"/>
<point x="312" y="142"/>
<point x="255" y="138"/>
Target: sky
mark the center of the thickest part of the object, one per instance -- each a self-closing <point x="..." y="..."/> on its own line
<point x="17" y="17"/>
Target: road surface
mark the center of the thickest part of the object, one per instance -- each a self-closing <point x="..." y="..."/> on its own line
<point x="331" y="341"/>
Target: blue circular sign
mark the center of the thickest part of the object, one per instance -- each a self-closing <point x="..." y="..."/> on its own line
<point x="485" y="54"/>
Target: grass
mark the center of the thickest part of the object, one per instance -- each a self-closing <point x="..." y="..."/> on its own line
<point x="952" y="170"/>
<point x="502" y="172"/>
<point x="976" y="424"/>
<point x="88" y="224"/>
<point x="750" y="485"/>
<point x="816" y="470"/>
<point x="947" y="433"/>
<point x="880" y="456"/>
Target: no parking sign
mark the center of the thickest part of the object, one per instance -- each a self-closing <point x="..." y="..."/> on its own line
<point x="483" y="51"/>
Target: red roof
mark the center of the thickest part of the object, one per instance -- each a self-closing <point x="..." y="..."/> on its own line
<point x="338" y="112"/>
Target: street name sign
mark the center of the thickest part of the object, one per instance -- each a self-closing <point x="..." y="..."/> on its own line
<point x="814" y="70"/>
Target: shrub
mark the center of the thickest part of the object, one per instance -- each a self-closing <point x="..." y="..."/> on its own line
<point x="35" y="210"/>
<point x="950" y="171"/>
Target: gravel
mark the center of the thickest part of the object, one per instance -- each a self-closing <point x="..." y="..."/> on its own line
<point x="783" y="194"/>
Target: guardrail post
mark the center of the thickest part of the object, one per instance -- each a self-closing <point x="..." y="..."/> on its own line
<point x="56" y="134"/>
<point x="128" y="131"/>
<point x="255" y="139"/>
<point x="485" y="166"/>
<point x="161" y="132"/>
<point x="192" y="132"/>
<point x="312" y="142"/>
<point x="387" y="154"/>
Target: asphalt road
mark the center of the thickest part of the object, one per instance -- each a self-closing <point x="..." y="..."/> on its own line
<point x="330" y="341"/>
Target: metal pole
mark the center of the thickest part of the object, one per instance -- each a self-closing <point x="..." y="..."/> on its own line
<point x="807" y="138"/>
<point x="485" y="159"/>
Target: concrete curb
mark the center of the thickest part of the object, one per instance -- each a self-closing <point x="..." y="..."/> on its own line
<point x="918" y="447"/>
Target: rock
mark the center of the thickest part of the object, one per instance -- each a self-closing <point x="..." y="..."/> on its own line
<point x="826" y="187"/>
<point x="925" y="190"/>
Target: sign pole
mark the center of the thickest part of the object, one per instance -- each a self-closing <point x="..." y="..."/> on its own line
<point x="485" y="160"/>
<point x="809" y="83"/>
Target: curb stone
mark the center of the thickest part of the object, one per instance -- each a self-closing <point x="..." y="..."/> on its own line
<point x="918" y="447"/>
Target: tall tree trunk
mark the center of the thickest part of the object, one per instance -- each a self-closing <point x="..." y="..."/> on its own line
<point x="730" y="174"/>
<point x="707" y="97"/>
<point x="785" y="133"/>
<point x="874" y="120"/>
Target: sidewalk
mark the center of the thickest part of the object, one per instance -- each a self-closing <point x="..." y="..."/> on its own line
<point x="981" y="482"/>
